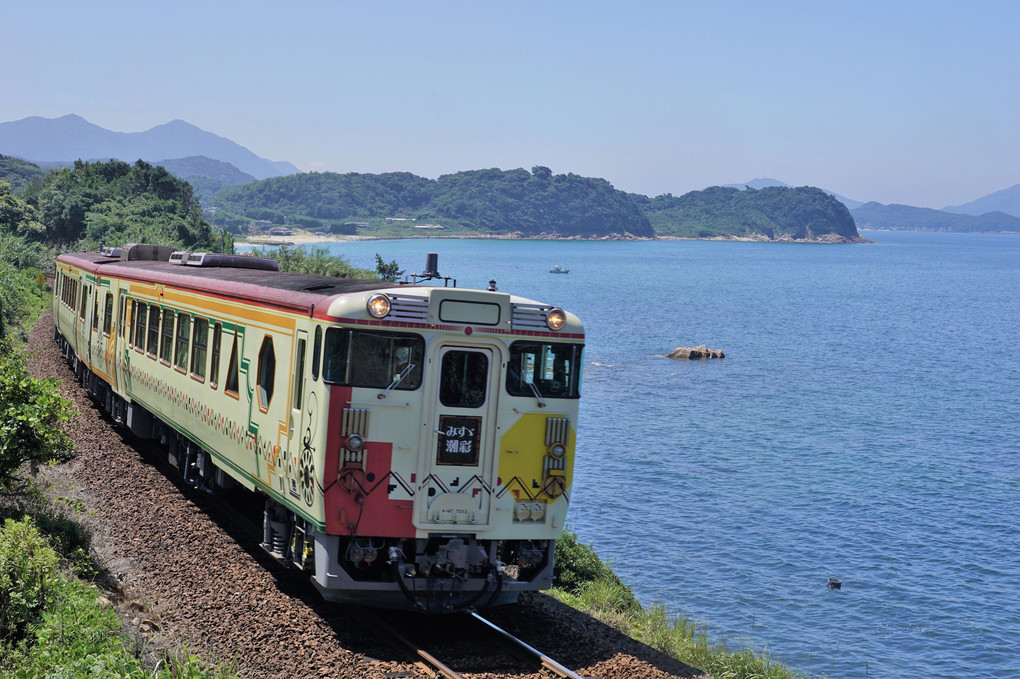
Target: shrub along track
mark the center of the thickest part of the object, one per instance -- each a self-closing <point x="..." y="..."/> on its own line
<point x="187" y="575"/>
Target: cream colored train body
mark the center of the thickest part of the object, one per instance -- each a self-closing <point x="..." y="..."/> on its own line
<point x="414" y="443"/>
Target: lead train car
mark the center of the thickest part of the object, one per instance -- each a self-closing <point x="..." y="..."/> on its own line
<point x="415" y="444"/>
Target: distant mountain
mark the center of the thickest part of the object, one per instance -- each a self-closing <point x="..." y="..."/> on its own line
<point x="1006" y="200"/>
<point x="71" y="137"/>
<point x="906" y="218"/>
<point x="200" y="166"/>
<point x="760" y="183"/>
<point x="765" y="182"/>
<point x="208" y="176"/>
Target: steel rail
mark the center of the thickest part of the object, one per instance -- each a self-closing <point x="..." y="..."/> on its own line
<point x="426" y="660"/>
<point x="547" y="662"/>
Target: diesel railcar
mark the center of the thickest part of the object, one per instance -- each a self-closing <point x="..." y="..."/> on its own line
<point x="414" y="443"/>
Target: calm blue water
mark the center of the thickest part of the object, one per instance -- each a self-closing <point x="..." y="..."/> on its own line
<point x="864" y="425"/>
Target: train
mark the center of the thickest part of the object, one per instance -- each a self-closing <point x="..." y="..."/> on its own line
<point x="413" y="441"/>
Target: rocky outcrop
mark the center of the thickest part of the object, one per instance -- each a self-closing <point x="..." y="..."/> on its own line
<point x="693" y="353"/>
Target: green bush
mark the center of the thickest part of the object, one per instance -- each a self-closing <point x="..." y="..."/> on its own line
<point x="53" y="625"/>
<point x="71" y="539"/>
<point x="316" y="261"/>
<point x="32" y="414"/>
<point x="578" y="568"/>
<point x="28" y="568"/>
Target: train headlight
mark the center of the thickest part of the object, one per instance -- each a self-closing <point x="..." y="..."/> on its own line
<point x="355" y="443"/>
<point x="378" y="305"/>
<point x="558" y="450"/>
<point x="556" y="318"/>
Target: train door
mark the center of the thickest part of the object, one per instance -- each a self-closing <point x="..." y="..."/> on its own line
<point x="300" y="472"/>
<point x="84" y="343"/>
<point x="460" y="461"/>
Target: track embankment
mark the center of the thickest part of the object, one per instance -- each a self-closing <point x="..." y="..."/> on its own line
<point x="184" y="573"/>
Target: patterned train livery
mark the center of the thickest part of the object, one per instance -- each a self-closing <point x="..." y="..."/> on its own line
<point x="414" y="443"/>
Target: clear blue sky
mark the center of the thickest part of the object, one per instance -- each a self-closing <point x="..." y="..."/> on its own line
<point x="900" y="102"/>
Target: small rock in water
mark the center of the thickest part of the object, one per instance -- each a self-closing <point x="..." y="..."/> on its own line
<point x="698" y="352"/>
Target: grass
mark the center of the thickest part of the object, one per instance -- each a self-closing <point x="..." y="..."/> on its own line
<point x="56" y="625"/>
<point x="600" y="593"/>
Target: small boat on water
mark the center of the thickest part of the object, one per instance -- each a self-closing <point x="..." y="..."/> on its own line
<point x="558" y="269"/>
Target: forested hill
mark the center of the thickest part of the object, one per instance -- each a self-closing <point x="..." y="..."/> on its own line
<point x="19" y="173"/>
<point x="116" y="203"/>
<point x="771" y="213"/>
<point x="501" y="202"/>
<point x="519" y="203"/>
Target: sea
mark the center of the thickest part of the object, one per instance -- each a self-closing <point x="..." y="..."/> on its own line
<point x="864" y="425"/>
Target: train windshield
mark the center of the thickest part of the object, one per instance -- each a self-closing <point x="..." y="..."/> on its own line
<point x="361" y="358"/>
<point x="554" y="370"/>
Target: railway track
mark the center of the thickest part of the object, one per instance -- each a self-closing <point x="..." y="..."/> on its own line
<point x="387" y="625"/>
<point x="382" y="623"/>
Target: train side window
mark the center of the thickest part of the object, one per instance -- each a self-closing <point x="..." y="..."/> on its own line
<point x="95" y="311"/>
<point x="167" y="339"/>
<point x="82" y="302"/>
<point x="153" y="339"/>
<point x="316" y="352"/>
<point x="200" y="336"/>
<point x="108" y="314"/>
<point x="183" y="339"/>
<point x="214" y="360"/>
<point x="140" y="326"/>
<point x="266" y="377"/>
<point x="231" y="384"/>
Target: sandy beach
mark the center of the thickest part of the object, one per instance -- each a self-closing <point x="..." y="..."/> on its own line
<point x="298" y="239"/>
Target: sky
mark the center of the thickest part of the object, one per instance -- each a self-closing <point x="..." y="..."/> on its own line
<point x="899" y="102"/>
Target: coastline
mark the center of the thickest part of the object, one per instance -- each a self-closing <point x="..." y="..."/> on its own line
<point x="301" y="239"/>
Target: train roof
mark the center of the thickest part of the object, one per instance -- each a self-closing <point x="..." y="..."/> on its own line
<point x="294" y="291"/>
<point x="247" y="280"/>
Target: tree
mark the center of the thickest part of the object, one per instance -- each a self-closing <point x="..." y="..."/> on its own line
<point x="16" y="216"/>
<point x="23" y="297"/>
<point x="32" y="413"/>
<point x="387" y="272"/>
<point x="316" y="261"/>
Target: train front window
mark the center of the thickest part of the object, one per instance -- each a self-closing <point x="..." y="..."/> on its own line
<point x="375" y="360"/>
<point x="551" y="370"/>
